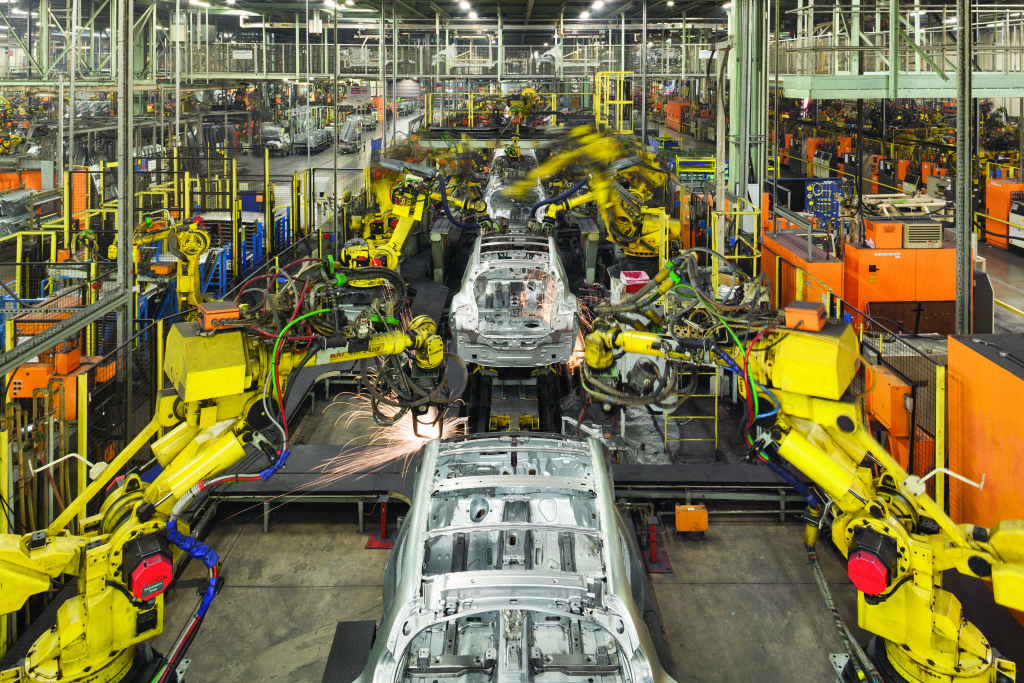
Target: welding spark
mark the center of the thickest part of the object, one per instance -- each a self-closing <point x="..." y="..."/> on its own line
<point x="371" y="446"/>
<point x="586" y="325"/>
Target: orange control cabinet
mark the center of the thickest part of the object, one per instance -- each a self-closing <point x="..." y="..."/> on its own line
<point x="928" y="169"/>
<point x="888" y="274"/>
<point x="999" y="195"/>
<point x="806" y="315"/>
<point x="691" y="518"/>
<point x="887" y="401"/>
<point x="812" y="146"/>
<point x="884" y="234"/>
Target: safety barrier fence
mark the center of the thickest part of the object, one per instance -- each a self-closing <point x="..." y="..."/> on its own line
<point x="36" y="296"/>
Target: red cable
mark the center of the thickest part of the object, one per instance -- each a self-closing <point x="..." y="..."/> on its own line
<point x="746" y="377"/>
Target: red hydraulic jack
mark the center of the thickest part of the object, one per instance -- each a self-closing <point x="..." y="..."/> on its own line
<point x="380" y="540"/>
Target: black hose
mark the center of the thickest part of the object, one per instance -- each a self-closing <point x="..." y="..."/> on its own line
<point x="448" y="211"/>
<point x="558" y="198"/>
<point x="293" y="375"/>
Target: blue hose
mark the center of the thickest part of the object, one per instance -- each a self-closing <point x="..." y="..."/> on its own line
<point x="775" y="411"/>
<point x="278" y="464"/>
<point x="790" y="478"/>
<point x="448" y="212"/>
<point x="201" y="552"/>
<point x="558" y="198"/>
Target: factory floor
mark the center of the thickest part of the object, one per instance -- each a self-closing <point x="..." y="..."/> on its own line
<point x="740" y="605"/>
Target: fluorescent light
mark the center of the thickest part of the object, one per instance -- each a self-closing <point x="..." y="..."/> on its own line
<point x="727" y="5"/>
<point x="199" y="3"/>
<point x="349" y="3"/>
<point x="17" y="10"/>
<point x="329" y="4"/>
<point x="599" y="4"/>
<point x="545" y="44"/>
<point x="585" y="15"/>
<point x="231" y="2"/>
<point x="472" y="15"/>
<point x="464" y="4"/>
<point x="671" y="3"/>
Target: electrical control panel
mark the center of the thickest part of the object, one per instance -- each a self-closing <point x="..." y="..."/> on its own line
<point x="822" y="198"/>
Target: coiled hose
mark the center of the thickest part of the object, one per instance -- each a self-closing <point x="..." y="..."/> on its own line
<point x="559" y="197"/>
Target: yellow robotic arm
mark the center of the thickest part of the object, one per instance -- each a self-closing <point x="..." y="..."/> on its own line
<point x="122" y="557"/>
<point x="403" y="191"/>
<point x="897" y="540"/>
<point x="632" y="225"/>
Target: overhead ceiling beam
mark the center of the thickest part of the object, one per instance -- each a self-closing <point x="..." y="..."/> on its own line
<point x="622" y="8"/>
<point x="440" y="11"/>
<point x="412" y="9"/>
<point x="529" y="11"/>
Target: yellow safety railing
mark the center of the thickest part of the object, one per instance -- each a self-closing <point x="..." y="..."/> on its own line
<point x="734" y="217"/>
<point x="613" y="102"/>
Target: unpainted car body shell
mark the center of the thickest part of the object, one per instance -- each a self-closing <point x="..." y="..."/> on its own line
<point x="560" y="604"/>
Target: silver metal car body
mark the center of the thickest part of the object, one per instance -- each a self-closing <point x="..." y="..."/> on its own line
<point x="514" y="309"/>
<point x="513" y="565"/>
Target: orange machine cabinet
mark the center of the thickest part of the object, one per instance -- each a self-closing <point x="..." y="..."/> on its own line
<point x="986" y="435"/>
<point x="886" y="274"/>
<point x="691" y="518"/>
<point x="32" y="376"/>
<point x="999" y="194"/>
<point x="884" y="234"/>
<point x="778" y="250"/>
<point x="674" y="115"/>
<point x="928" y="169"/>
<point x="886" y="401"/>
<point x="812" y="146"/>
<point x="879" y="275"/>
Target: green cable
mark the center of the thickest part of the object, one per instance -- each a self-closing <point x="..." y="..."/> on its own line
<point x="280" y="338"/>
<point x="753" y="387"/>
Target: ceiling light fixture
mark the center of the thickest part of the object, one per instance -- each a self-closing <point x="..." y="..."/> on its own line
<point x="671" y="3"/>
<point x="545" y="44"/>
<point x="200" y="3"/>
<point x="472" y="15"/>
<point x="329" y="4"/>
<point x="464" y="4"/>
<point x="599" y="4"/>
<point x="727" y="5"/>
<point x="585" y="15"/>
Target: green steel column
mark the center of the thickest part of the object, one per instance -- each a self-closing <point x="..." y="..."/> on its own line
<point x="964" y="197"/>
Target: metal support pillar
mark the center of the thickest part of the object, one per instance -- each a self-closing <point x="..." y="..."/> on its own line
<point x="747" y="110"/>
<point x="125" y="169"/>
<point x="622" y="16"/>
<point x="964" y="196"/>
<point x="894" y="48"/>
<point x="394" y="77"/>
<point x="176" y="37"/>
<point x="382" y="79"/>
<point x="643" y="78"/>
<point x="501" y="50"/>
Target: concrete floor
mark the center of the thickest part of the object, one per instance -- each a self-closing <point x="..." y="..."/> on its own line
<point x="742" y="604"/>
